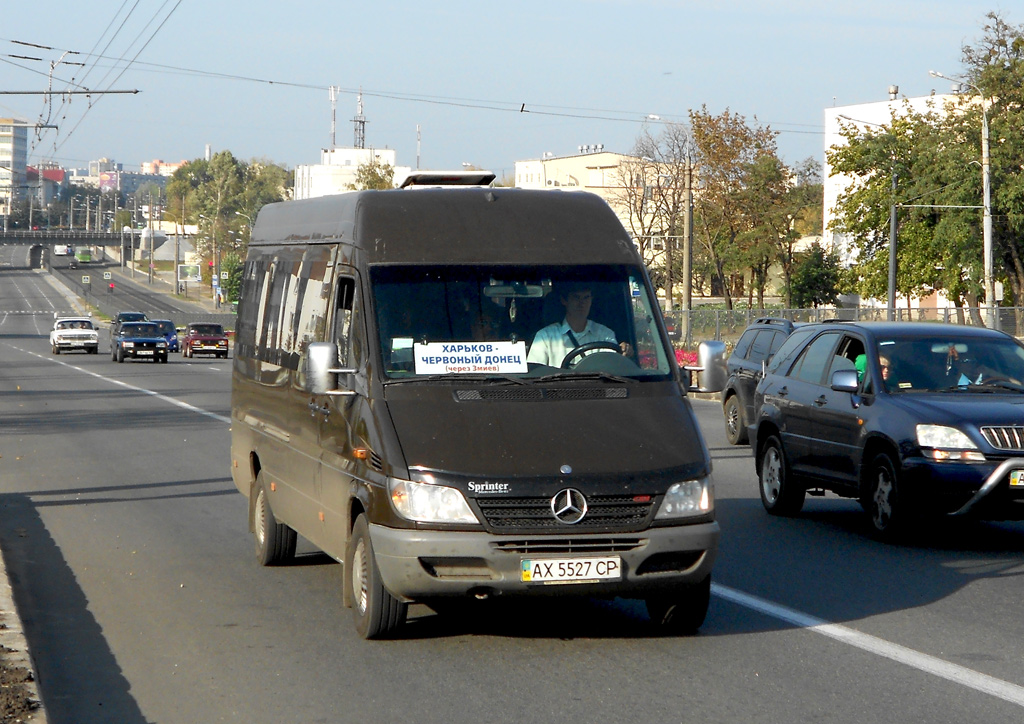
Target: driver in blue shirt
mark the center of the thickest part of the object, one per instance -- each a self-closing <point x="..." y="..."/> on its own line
<point x="555" y="341"/>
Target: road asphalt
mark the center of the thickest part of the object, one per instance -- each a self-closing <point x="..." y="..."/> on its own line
<point x="14" y="650"/>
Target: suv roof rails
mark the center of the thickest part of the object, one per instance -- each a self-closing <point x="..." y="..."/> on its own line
<point x="448" y="178"/>
<point x="781" y="321"/>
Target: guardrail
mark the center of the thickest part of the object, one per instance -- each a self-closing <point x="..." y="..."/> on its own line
<point x="727" y="325"/>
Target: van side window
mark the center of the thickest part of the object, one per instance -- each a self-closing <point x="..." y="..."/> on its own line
<point x="343" y="318"/>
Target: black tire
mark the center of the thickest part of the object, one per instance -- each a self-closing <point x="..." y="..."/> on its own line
<point x="779" y="494"/>
<point x="275" y="542"/>
<point x="55" y="349"/>
<point x="188" y="352"/>
<point x="162" y="359"/>
<point x="683" y="611"/>
<point x="120" y="354"/>
<point x="113" y="354"/>
<point x="735" y="424"/>
<point x="377" y="613"/>
<point x="881" y="501"/>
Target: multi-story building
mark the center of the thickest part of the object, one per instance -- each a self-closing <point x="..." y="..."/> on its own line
<point x="158" y="167"/>
<point x="13" y="160"/>
<point x="336" y="172"/>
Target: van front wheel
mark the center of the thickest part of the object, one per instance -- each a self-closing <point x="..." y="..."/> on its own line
<point x="275" y="542"/>
<point x="377" y="613"/>
<point x="682" y="611"/>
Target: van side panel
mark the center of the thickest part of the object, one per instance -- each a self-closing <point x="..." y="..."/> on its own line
<point x="285" y="307"/>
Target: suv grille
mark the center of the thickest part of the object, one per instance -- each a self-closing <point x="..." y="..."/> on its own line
<point x="1004" y="438"/>
<point x="604" y="512"/>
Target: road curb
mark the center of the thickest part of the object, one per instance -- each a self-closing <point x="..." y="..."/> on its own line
<point x="12" y="638"/>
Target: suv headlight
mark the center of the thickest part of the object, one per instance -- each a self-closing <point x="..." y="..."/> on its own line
<point x="428" y="503"/>
<point x="941" y="442"/>
<point x="688" y="498"/>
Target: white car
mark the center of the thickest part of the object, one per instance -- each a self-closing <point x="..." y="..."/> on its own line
<point x="70" y="333"/>
<point x="61" y="250"/>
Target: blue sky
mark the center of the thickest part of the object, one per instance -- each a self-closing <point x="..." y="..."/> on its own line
<point x="588" y="72"/>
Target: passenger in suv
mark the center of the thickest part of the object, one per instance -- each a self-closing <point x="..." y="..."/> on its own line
<point x="756" y="345"/>
<point x="911" y="419"/>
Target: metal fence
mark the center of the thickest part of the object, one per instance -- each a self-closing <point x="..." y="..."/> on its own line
<point x="727" y="325"/>
<point x="106" y="306"/>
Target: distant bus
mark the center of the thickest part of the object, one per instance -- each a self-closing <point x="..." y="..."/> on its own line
<point x="83" y="254"/>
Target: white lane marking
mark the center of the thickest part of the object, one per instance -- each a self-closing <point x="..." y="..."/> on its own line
<point x="165" y="398"/>
<point x="923" y="662"/>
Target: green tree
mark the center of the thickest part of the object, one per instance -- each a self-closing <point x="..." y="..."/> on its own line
<point x="232" y="264"/>
<point x="374" y="174"/>
<point x="728" y="151"/>
<point x="223" y="196"/>
<point x="935" y="157"/>
<point x="815" y="278"/>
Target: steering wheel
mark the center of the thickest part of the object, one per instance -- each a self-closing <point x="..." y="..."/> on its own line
<point x="584" y="348"/>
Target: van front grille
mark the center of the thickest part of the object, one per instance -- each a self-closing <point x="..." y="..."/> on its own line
<point x="604" y="512"/>
<point x="567" y="546"/>
<point x="1004" y="438"/>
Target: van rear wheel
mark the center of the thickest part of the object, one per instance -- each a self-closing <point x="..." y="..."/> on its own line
<point x="275" y="542"/>
<point x="682" y="611"/>
<point x="377" y="613"/>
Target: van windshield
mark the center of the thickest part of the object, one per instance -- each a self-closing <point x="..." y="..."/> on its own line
<point x="527" y="321"/>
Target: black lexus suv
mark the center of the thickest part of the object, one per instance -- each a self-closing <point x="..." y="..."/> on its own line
<point x="915" y="420"/>
<point x="756" y="345"/>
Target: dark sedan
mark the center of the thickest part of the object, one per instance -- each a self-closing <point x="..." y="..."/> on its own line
<point x="913" y="420"/>
<point x="139" y="340"/>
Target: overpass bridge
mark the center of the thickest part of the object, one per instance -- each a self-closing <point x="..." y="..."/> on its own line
<point x="66" y="236"/>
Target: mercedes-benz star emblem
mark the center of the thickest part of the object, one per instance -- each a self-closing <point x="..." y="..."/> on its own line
<point x="569" y="506"/>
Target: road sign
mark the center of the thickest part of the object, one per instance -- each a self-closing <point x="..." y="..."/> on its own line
<point x="107" y="275"/>
<point x="223" y="275"/>
<point x="85" y="279"/>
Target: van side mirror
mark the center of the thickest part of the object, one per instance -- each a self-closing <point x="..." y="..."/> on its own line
<point x="711" y="370"/>
<point x="321" y="370"/>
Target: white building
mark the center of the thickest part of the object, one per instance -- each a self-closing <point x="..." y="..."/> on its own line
<point x="13" y="161"/>
<point x="337" y="170"/>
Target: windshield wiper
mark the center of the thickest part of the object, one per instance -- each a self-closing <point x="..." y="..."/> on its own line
<point x="987" y="386"/>
<point x="605" y="376"/>
<point x="457" y="378"/>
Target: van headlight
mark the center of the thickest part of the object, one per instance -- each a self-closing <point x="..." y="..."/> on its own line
<point x="428" y="503"/>
<point x="941" y="442"/>
<point x="688" y="498"/>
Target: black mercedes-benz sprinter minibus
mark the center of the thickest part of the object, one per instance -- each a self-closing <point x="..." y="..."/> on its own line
<point x="469" y="392"/>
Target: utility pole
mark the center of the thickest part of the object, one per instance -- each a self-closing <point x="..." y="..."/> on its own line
<point x="149" y="223"/>
<point x="684" y="328"/>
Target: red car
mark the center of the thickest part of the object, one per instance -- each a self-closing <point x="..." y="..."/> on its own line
<point x="204" y="338"/>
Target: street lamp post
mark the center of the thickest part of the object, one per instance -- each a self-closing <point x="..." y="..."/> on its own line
<point x="986" y="192"/>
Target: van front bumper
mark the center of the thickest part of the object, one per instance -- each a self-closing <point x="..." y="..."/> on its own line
<point x="423" y="564"/>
